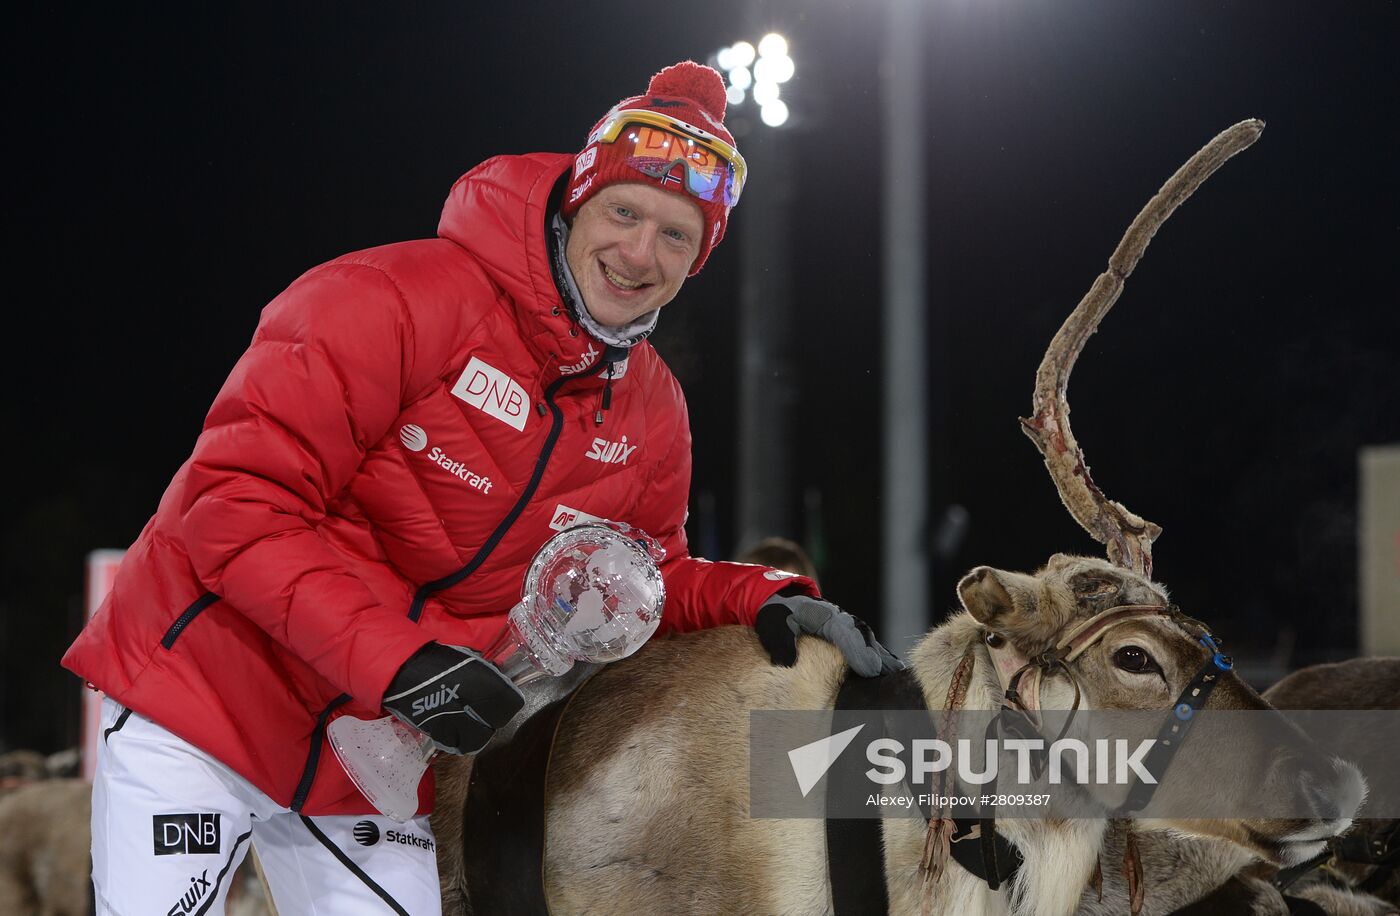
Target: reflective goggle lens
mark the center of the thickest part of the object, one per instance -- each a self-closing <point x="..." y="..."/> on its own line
<point x="657" y="152"/>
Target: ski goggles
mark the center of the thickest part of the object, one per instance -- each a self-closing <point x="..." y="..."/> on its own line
<point x="655" y="144"/>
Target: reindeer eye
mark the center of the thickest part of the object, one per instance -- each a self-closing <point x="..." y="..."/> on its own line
<point x="994" y="640"/>
<point x="1095" y="586"/>
<point x="1135" y="660"/>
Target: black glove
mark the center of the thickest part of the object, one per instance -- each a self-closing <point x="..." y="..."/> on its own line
<point x="785" y="617"/>
<point x="454" y="695"/>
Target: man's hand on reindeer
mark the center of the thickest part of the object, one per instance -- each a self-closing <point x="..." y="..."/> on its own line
<point x="786" y="617"/>
<point x="453" y="695"/>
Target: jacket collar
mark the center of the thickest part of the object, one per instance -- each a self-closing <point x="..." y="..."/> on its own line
<point x="499" y="212"/>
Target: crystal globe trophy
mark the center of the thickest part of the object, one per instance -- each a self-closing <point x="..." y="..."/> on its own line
<point x="593" y="593"/>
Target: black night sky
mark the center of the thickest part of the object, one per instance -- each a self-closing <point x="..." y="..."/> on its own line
<point x="174" y="167"/>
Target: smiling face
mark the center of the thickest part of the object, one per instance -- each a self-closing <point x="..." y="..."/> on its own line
<point x="630" y="249"/>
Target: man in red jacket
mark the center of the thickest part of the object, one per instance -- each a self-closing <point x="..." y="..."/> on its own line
<point x="407" y="427"/>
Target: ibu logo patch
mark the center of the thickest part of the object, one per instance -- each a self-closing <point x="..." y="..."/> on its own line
<point x="186" y="834"/>
<point x="489" y="389"/>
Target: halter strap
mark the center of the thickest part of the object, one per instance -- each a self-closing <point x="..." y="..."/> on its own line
<point x="1022" y="688"/>
<point x="1090" y="631"/>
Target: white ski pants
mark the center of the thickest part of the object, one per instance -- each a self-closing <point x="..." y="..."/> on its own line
<point x="170" y="825"/>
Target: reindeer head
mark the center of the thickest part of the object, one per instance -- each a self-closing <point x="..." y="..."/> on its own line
<point x="1140" y="660"/>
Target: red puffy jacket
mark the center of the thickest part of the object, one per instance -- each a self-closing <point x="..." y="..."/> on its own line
<point x="408" y="426"/>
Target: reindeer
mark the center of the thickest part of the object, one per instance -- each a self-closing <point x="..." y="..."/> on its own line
<point x="1204" y="877"/>
<point x="647" y="793"/>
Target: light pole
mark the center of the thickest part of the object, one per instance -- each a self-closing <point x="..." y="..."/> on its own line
<point x="766" y="500"/>
<point x="904" y="551"/>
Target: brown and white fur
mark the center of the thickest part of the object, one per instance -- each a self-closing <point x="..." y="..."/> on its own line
<point x="647" y="798"/>
<point x="1180" y="870"/>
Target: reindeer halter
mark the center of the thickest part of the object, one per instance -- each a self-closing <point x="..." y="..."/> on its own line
<point x="1022" y="688"/>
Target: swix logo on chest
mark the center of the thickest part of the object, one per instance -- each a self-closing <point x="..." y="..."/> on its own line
<point x="611" y="452"/>
<point x="584" y="362"/>
<point x="489" y="389"/>
<point x="444" y="694"/>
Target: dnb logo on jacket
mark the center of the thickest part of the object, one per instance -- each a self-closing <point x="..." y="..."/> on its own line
<point x="490" y="390"/>
<point x="415" y="439"/>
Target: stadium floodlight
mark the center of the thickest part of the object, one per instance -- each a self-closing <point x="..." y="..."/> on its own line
<point x="775" y="69"/>
<point x="758" y="72"/>
<point x="772" y="45"/>
<point x="774" y="114"/>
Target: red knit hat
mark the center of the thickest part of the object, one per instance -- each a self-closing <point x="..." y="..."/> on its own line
<point x="687" y="91"/>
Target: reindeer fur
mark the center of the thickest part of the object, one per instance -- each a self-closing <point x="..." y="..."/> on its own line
<point x="647" y="792"/>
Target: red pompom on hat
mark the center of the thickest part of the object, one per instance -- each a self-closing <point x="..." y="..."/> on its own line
<point x="687" y="91"/>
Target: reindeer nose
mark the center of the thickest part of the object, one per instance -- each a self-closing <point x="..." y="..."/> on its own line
<point x="1333" y="791"/>
<point x="1323" y="805"/>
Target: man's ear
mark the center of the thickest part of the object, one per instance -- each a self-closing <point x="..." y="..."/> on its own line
<point x="998" y="598"/>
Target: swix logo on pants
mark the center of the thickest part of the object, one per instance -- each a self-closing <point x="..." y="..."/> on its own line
<point x="489" y="389"/>
<point x="199" y="886"/>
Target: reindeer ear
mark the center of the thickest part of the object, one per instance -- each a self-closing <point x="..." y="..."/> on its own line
<point x="996" y="597"/>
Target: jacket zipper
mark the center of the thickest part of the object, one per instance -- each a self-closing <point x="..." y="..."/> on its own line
<point x="420" y="597"/>
<point x="189" y="614"/>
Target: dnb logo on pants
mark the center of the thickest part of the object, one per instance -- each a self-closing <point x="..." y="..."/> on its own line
<point x="186" y="834"/>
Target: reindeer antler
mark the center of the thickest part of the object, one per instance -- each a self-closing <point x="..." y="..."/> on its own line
<point x="1127" y="536"/>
